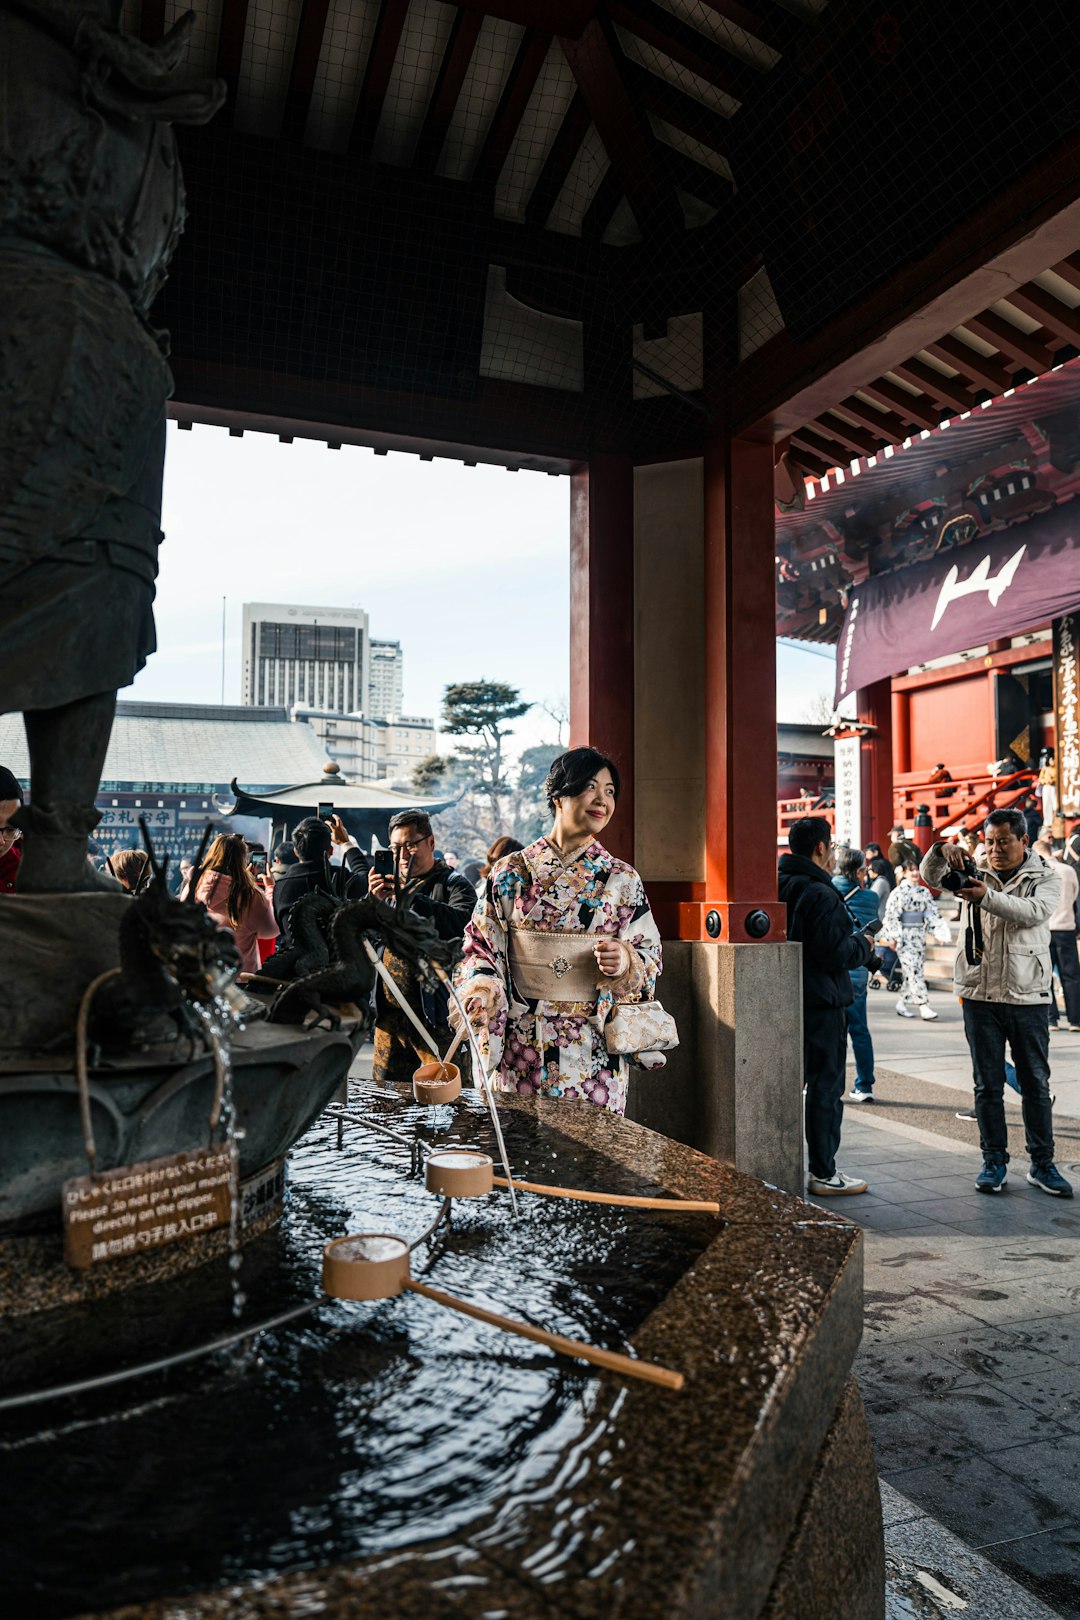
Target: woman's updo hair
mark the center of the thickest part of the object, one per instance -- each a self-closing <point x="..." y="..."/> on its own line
<point x="572" y="772"/>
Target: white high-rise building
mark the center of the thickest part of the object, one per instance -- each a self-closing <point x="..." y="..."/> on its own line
<point x="387" y="683"/>
<point x="319" y="657"/>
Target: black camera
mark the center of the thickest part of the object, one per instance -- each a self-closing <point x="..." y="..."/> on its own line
<point x="875" y="964"/>
<point x="954" y="881"/>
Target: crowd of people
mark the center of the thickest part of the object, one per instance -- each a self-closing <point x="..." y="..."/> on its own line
<point x="558" y="947"/>
<point x="863" y="918"/>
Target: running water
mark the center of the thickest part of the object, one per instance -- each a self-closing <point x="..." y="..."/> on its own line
<point x="220" y="1022"/>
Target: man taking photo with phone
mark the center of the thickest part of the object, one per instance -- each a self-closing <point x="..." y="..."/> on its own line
<point x="432" y="889"/>
<point x="1002" y="976"/>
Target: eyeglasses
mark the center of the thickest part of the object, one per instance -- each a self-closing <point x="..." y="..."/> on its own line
<point x="10" y="832"/>
<point x="410" y="844"/>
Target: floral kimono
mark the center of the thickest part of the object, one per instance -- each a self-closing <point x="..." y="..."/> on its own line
<point x="556" y="1047"/>
<point x="910" y="911"/>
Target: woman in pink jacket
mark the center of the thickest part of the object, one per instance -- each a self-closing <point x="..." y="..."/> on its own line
<point x="234" y="899"/>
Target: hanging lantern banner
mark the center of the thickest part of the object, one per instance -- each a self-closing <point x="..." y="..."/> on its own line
<point x="962" y="598"/>
<point x="848" y="772"/>
<point x="1067" y="716"/>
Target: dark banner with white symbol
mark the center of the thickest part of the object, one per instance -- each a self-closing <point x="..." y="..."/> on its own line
<point x="963" y="597"/>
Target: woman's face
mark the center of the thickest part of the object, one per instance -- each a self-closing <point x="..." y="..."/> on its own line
<point x="589" y="812"/>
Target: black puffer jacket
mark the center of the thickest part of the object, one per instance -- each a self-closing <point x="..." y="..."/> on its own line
<point x="818" y="917"/>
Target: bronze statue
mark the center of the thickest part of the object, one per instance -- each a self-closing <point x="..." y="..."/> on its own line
<point x="91" y="208"/>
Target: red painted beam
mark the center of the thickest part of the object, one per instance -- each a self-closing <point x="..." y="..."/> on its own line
<point x="595" y="60"/>
<point x="1069" y="270"/>
<point x="520" y="84"/>
<point x="701" y="54"/>
<point x="885" y="425"/>
<point x="1030" y="223"/>
<point x="740" y="677"/>
<point x="380" y="65"/>
<point x="559" y="161"/>
<point x="874" y="706"/>
<point x="552" y="16"/>
<point x="308" y="49"/>
<point x="1027" y="348"/>
<point x="455" y="65"/>
<point x="602" y="626"/>
<point x="855" y="439"/>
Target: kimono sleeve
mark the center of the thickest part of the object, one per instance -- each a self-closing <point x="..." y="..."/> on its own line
<point x="640" y="933"/>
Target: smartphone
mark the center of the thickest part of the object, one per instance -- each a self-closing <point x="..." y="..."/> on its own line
<point x="325" y="812"/>
<point x="874" y="928"/>
<point x="258" y="864"/>
<point x="382" y="862"/>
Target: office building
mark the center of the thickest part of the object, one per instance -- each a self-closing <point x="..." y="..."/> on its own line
<point x="386" y="686"/>
<point x="315" y="656"/>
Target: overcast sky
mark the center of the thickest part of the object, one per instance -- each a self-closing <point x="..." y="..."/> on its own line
<point x="467" y="567"/>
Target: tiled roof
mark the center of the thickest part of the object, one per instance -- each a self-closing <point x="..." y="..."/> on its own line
<point x="178" y="744"/>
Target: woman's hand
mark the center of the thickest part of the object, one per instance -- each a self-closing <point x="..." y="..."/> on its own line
<point x="610" y="958"/>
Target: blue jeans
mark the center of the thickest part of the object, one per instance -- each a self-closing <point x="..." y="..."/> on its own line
<point x="859" y="1031"/>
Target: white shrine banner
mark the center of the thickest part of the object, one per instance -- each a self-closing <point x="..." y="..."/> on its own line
<point x="847" y="753"/>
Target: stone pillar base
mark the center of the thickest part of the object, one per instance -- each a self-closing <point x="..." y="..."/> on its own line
<point x="734" y="1086"/>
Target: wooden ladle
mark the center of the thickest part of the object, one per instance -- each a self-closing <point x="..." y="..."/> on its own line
<point x="375" y="1265"/>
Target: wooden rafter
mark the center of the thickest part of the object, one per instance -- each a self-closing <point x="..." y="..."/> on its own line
<point x="768" y="22"/>
<point x="922" y="412"/>
<point x="947" y="390"/>
<point x="595" y="60"/>
<point x="695" y="178"/>
<point x="852" y="438"/>
<point x="1069" y="270"/>
<point x="832" y="454"/>
<point x="309" y="39"/>
<point x="601" y="211"/>
<point x="816" y="466"/>
<point x="380" y="65"/>
<point x="980" y="370"/>
<point x="455" y="65"/>
<point x="1042" y="306"/>
<point x="151" y="20"/>
<point x="701" y="123"/>
<point x="887" y="426"/>
<point x="230" y="52"/>
<point x="677" y="39"/>
<point x="1026" y="348"/>
<point x="559" y="161"/>
<point x="508" y="114"/>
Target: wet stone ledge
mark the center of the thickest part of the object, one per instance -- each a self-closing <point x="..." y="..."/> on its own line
<point x="751" y="1495"/>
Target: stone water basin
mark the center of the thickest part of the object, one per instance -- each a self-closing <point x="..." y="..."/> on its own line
<point x="397" y="1458"/>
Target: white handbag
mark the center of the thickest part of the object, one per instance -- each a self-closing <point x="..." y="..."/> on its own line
<point x="642" y="1032"/>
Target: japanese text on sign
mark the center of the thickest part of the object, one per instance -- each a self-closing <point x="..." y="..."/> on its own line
<point x="143" y="1206"/>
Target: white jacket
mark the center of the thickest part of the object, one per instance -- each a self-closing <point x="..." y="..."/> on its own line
<point x="1064" y="918"/>
<point x="1015" y="916"/>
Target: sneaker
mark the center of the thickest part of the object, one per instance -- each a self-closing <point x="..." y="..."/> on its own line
<point x="860" y="1096"/>
<point x="928" y="1013"/>
<point x="991" y="1178"/>
<point x="966" y="1113"/>
<point x="1049" y="1179"/>
<point x="1074" y="1029"/>
<point x="903" y="1010"/>
<point x="835" y="1186"/>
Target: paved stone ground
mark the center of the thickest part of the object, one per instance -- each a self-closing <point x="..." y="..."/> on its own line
<point x="970" y="1362"/>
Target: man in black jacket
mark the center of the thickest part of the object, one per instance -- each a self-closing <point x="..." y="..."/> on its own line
<point x="434" y="890"/>
<point x="312" y="841"/>
<point x="819" y="919"/>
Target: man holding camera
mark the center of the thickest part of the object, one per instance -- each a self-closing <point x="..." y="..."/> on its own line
<point x="433" y="890"/>
<point x="831" y="947"/>
<point x="1002" y="976"/>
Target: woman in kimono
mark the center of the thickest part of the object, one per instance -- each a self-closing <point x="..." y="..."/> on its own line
<point x="910" y="911"/>
<point x="562" y="932"/>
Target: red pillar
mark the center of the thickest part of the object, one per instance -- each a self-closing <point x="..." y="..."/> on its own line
<point x="602" y="626"/>
<point x="740" y="695"/>
<point x="875" y="708"/>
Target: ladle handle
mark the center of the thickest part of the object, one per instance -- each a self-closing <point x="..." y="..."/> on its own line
<point x="455" y="1043"/>
<point x="694" y="1206"/>
<point x="648" y="1371"/>
<point x="430" y="1050"/>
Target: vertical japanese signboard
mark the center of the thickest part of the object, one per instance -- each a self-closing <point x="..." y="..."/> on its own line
<point x="1067" y="712"/>
<point x="848" y="763"/>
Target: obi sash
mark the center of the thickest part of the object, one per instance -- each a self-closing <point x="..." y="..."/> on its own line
<point x="553" y="966"/>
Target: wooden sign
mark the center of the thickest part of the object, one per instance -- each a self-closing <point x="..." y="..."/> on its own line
<point x="1067" y="717"/>
<point x="143" y="1206"/>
